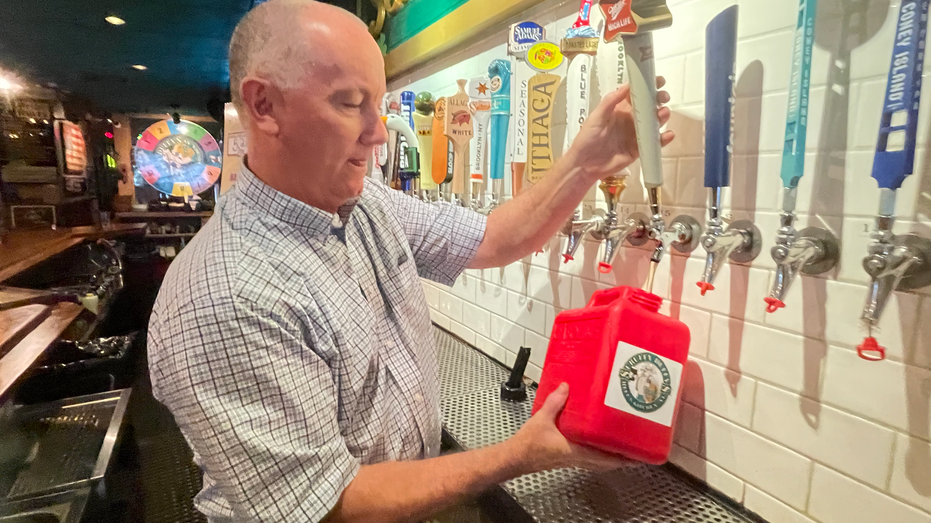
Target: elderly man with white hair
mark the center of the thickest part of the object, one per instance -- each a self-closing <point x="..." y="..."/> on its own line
<point x="291" y="339"/>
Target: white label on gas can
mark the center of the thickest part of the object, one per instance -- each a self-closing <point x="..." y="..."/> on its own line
<point x="644" y="384"/>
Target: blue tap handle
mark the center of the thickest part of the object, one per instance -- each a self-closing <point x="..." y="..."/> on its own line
<point x="793" y="155"/>
<point x="499" y="73"/>
<point x="903" y="92"/>
<point x="407" y="107"/>
<point x="720" y="58"/>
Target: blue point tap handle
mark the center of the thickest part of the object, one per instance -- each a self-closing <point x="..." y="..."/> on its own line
<point x="720" y="58"/>
<point x="793" y="155"/>
<point x="499" y="74"/>
<point x="903" y="92"/>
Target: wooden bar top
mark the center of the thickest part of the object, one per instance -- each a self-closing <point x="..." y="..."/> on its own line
<point x="26" y="352"/>
<point x="23" y="249"/>
<point x="15" y="324"/>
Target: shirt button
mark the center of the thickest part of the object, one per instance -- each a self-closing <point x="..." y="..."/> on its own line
<point x="418" y="398"/>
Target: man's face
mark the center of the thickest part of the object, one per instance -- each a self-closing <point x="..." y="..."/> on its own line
<point x="332" y="121"/>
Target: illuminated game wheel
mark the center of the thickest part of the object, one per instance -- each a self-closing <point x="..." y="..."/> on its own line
<point x="173" y="157"/>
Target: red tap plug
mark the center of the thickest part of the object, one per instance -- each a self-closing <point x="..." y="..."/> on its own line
<point x="870" y="350"/>
<point x="772" y="304"/>
<point x="705" y="287"/>
<point x="604" y="268"/>
<point x="566" y="258"/>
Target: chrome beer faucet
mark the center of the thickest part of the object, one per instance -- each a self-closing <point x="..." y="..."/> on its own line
<point x="811" y="251"/>
<point x="740" y="242"/>
<point x="609" y="229"/>
<point x="894" y="262"/>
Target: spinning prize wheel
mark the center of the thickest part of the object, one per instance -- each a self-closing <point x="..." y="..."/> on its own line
<point x="179" y="159"/>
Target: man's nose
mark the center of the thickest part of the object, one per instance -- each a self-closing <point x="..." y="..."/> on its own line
<point x="376" y="134"/>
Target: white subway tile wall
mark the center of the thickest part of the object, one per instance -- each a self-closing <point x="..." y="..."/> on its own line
<point x="780" y="413"/>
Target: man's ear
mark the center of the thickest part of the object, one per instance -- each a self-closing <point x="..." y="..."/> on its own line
<point x="263" y="102"/>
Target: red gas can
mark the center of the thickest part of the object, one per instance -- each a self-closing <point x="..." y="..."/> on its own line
<point x="624" y="363"/>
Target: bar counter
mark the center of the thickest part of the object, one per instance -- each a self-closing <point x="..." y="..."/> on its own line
<point x="21" y="250"/>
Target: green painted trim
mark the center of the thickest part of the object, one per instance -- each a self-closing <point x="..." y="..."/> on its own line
<point x="416" y="16"/>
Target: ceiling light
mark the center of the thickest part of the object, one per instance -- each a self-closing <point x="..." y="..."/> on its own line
<point x="8" y="85"/>
<point x="115" y="20"/>
<point x="139" y="67"/>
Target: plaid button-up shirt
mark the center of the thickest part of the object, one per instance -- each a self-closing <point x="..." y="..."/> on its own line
<point x="293" y="346"/>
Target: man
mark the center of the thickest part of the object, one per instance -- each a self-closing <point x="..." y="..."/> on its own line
<point x="291" y="338"/>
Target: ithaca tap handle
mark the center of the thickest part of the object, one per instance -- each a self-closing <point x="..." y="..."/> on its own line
<point x="902" y="96"/>
<point x="721" y="43"/>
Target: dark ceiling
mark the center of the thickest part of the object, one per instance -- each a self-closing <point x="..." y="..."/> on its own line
<point x="182" y="42"/>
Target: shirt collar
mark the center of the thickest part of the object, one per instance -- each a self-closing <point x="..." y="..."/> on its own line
<point x="287" y="209"/>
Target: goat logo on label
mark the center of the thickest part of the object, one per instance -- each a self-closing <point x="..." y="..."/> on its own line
<point x="645" y="382"/>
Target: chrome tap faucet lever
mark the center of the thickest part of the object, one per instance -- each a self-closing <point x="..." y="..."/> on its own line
<point x="812" y="251"/>
<point x="894" y="262"/>
<point x="575" y="229"/>
<point x="683" y="233"/>
<point x="740" y="242"/>
<point x="612" y="231"/>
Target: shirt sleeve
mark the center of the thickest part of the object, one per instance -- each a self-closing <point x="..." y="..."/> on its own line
<point x="443" y="237"/>
<point x="257" y="405"/>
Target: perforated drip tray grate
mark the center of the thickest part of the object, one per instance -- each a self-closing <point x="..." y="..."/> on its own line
<point x="481" y="418"/>
<point x="640" y="494"/>
<point x="61" y="445"/>
<point x="475" y="416"/>
<point x="463" y="370"/>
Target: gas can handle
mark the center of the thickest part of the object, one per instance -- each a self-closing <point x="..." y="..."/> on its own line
<point x="604" y="297"/>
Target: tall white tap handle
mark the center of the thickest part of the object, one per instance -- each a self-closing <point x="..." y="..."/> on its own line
<point x="641" y="73"/>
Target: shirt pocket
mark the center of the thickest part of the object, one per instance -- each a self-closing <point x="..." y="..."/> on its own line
<point x="401" y="286"/>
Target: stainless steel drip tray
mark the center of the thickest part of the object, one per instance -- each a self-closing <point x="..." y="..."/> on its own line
<point x="61" y="445"/>
<point x="474" y="416"/>
<point x="66" y="507"/>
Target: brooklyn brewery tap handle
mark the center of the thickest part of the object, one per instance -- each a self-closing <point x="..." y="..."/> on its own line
<point x="721" y="53"/>
<point x="635" y="21"/>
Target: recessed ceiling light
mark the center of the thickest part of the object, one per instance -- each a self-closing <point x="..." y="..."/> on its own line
<point x="115" y="20"/>
<point x="139" y="67"/>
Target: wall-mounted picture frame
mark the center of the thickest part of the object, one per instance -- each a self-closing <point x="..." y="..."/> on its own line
<point x="33" y="217"/>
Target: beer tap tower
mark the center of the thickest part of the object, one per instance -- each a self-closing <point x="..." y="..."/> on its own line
<point x="741" y="241"/>
<point x="813" y="250"/>
<point x="894" y="262"/>
<point x="635" y="22"/>
<point x="605" y="226"/>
